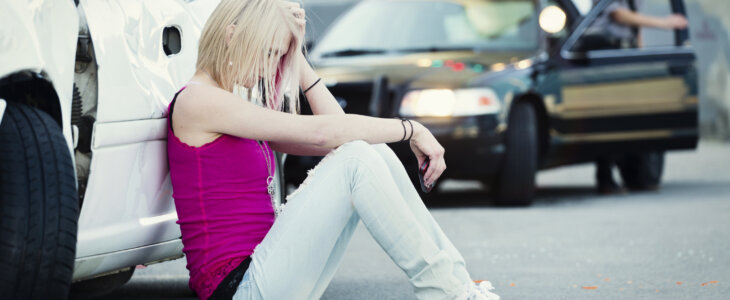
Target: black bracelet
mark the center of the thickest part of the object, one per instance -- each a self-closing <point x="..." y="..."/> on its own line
<point x="402" y="123"/>
<point x="311" y="86"/>
<point x="410" y="136"/>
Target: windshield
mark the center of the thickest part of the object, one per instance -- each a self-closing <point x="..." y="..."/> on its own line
<point x="411" y="26"/>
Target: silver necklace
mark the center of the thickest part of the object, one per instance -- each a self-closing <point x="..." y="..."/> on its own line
<point x="270" y="188"/>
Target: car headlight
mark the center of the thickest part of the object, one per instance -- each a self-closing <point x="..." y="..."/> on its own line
<point x="447" y="102"/>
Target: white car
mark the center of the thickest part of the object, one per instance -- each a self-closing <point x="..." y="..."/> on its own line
<point x="84" y="183"/>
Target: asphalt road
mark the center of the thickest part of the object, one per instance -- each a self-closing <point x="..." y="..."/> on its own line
<point x="673" y="243"/>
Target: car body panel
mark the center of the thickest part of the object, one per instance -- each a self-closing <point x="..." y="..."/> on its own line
<point x="128" y="215"/>
<point x="99" y="265"/>
<point x="41" y="37"/>
<point x="128" y="202"/>
<point x="136" y="78"/>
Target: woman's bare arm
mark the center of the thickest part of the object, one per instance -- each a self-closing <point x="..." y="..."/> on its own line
<point x="319" y="97"/>
<point x="320" y="100"/>
<point x="212" y="110"/>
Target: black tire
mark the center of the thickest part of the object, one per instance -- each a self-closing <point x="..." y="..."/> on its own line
<point x="642" y="171"/>
<point x="515" y="183"/>
<point x="38" y="206"/>
<point x="100" y="286"/>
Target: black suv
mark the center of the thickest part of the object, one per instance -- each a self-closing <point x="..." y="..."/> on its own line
<point x="513" y="86"/>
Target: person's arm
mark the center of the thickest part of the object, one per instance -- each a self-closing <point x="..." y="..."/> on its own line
<point x="218" y="111"/>
<point x="631" y="18"/>
<point x="322" y="103"/>
<point x="319" y="97"/>
<point x="223" y="112"/>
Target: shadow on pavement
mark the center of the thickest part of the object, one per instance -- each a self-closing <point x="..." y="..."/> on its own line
<point x="159" y="289"/>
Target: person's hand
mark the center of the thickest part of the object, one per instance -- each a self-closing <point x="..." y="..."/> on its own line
<point x="295" y="9"/>
<point x="423" y="145"/>
<point x="675" y="21"/>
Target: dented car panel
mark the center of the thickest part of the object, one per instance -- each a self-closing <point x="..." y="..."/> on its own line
<point x="41" y="38"/>
<point x="132" y="57"/>
<point x="128" y="199"/>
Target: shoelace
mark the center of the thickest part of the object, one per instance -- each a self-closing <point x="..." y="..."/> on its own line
<point x="485" y="287"/>
<point x="478" y="290"/>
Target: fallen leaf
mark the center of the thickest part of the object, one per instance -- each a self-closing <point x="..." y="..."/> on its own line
<point x="709" y="282"/>
<point x="511" y="284"/>
<point x="657" y="290"/>
<point x="679" y="283"/>
<point x="606" y="279"/>
<point x="590" y="287"/>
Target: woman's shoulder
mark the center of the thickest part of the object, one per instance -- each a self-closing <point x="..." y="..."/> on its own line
<point x="194" y="100"/>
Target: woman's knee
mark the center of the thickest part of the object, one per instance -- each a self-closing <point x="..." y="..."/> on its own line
<point x="386" y="153"/>
<point x="357" y="149"/>
<point x="362" y="154"/>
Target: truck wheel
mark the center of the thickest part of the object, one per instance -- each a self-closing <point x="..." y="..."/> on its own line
<point x="515" y="183"/>
<point x="39" y="206"/>
<point x="642" y="171"/>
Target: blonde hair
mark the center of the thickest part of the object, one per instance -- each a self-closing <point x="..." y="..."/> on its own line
<point x="260" y="25"/>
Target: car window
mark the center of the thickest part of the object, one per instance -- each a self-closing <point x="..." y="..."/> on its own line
<point x="432" y="26"/>
<point x="607" y="33"/>
<point x="583" y="6"/>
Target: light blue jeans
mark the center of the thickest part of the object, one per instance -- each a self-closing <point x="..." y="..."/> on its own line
<point x="357" y="181"/>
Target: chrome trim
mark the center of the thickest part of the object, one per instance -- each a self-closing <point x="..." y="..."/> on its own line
<point x="3" y="104"/>
<point x="621" y="135"/>
<point x="654" y="51"/>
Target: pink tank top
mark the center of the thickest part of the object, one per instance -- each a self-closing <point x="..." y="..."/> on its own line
<point x="222" y="204"/>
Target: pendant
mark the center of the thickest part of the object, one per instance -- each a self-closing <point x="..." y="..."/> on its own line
<point x="270" y="186"/>
<point x="271" y="189"/>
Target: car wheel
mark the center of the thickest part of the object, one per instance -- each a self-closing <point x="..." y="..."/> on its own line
<point x="515" y="183"/>
<point x="642" y="171"/>
<point x="39" y="206"/>
<point x="100" y="286"/>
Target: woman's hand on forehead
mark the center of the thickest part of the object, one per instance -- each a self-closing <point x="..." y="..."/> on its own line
<point x="295" y="9"/>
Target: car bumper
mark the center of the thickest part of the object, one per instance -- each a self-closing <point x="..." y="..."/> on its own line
<point x="474" y="148"/>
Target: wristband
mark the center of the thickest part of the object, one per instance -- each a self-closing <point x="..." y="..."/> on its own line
<point x="311" y="86"/>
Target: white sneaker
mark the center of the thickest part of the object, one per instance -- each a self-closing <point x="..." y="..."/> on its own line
<point x="480" y="291"/>
<point x="485" y="287"/>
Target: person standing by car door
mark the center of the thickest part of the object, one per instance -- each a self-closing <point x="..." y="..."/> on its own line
<point x="616" y="28"/>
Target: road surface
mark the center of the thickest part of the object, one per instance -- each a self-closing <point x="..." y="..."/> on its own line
<point x="673" y="243"/>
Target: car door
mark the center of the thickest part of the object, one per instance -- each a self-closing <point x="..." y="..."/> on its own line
<point x="145" y="50"/>
<point x="638" y="97"/>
